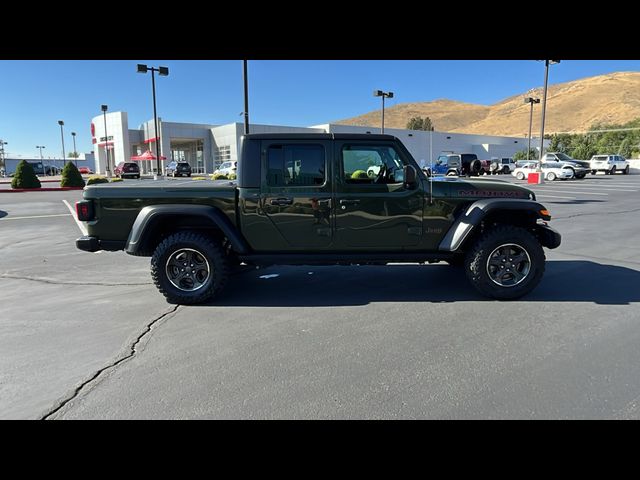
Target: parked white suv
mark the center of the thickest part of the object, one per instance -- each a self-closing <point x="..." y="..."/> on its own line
<point x="502" y="165"/>
<point x="226" y="168"/>
<point x="609" y="164"/>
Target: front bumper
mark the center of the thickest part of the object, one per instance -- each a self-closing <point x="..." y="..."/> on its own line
<point x="548" y="237"/>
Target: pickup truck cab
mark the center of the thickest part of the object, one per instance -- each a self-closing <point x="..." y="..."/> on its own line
<point x="579" y="168"/>
<point x="302" y="199"/>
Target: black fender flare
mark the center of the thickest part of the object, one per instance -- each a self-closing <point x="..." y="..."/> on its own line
<point x="149" y="215"/>
<point x="477" y="211"/>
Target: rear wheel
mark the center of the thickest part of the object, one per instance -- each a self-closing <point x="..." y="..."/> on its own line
<point x="188" y="268"/>
<point x="505" y="263"/>
<point x="626" y="170"/>
<point x="613" y="170"/>
<point x="593" y="172"/>
<point x="520" y="176"/>
<point x="551" y="176"/>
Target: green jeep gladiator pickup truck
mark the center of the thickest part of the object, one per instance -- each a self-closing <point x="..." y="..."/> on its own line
<point x="321" y="199"/>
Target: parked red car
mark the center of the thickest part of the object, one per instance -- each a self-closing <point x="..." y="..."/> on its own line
<point x="85" y="170"/>
<point x="127" y="169"/>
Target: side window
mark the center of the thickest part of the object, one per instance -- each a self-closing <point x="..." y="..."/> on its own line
<point x="364" y="164"/>
<point x="296" y="165"/>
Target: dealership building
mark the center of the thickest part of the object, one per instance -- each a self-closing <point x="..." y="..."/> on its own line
<point x="205" y="147"/>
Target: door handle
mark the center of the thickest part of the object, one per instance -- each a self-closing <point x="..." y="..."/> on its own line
<point x="281" y="201"/>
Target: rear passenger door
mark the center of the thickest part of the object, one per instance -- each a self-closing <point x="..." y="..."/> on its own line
<point x="296" y="192"/>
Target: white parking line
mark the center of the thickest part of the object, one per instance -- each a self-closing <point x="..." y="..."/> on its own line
<point x="82" y="228"/>
<point x="35" y="216"/>
<point x="572" y="191"/>
<point x="553" y="196"/>
<point x="607" y="188"/>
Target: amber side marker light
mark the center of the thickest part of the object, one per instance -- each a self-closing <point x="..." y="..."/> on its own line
<point x="545" y="213"/>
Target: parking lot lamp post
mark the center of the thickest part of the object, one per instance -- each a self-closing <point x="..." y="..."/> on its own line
<point x="2" y="160"/>
<point x="530" y="100"/>
<point x="163" y="72"/>
<point x="104" y="109"/>
<point x="64" y="156"/>
<point x="75" y="152"/>
<point x="380" y="93"/>
<point x="40" y="147"/>
<point x="544" y="108"/>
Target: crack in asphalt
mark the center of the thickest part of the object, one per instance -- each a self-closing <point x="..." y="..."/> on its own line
<point x="69" y="282"/>
<point x="147" y="329"/>
<point x="596" y="213"/>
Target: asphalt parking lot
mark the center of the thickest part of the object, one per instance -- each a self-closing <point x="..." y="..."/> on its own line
<point x="87" y="336"/>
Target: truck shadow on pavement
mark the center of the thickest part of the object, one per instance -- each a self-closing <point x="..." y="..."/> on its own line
<point x="307" y="286"/>
<point x="3" y="213"/>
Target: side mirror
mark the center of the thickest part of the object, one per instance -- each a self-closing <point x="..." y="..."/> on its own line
<point x="410" y="177"/>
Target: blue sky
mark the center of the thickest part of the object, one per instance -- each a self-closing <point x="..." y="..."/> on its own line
<point x="34" y="95"/>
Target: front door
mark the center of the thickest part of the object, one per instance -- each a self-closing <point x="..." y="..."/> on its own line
<point x="296" y="192"/>
<point x="373" y="208"/>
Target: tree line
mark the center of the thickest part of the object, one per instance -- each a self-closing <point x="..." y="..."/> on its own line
<point x="595" y="141"/>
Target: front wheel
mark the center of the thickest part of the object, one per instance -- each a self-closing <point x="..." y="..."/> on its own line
<point x="505" y="263"/>
<point x="188" y="268"/>
<point x="626" y="170"/>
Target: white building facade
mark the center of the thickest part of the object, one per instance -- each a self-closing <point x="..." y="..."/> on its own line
<point x="205" y="146"/>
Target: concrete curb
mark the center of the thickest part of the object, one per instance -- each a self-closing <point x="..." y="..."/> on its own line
<point x="51" y="189"/>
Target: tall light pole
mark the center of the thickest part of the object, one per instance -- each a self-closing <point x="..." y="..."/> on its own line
<point x="75" y="152"/>
<point x="246" y="97"/>
<point x="544" y="107"/>
<point x="104" y="109"/>
<point x="163" y="72"/>
<point x="40" y="147"/>
<point x="2" y="160"/>
<point x="64" y="156"/>
<point x="380" y="93"/>
<point x="530" y="100"/>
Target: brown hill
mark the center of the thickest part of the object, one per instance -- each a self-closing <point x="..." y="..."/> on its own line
<point x="571" y="107"/>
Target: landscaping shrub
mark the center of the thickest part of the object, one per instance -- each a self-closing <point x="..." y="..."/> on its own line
<point x="25" y="177"/>
<point x="232" y="176"/>
<point x="116" y="179"/>
<point x="97" y="179"/>
<point x="219" y="176"/>
<point x="71" y="176"/>
<point x="198" y="178"/>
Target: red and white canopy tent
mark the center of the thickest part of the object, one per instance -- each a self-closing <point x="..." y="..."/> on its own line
<point x="148" y="155"/>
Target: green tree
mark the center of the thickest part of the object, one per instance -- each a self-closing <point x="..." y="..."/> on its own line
<point x="71" y="176"/>
<point x="419" y="123"/>
<point x="561" y="142"/>
<point x="522" y="155"/>
<point x="415" y="123"/>
<point x="25" y="176"/>
<point x="625" y="148"/>
<point x="74" y="155"/>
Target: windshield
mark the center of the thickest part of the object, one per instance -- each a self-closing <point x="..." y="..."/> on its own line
<point x="564" y="157"/>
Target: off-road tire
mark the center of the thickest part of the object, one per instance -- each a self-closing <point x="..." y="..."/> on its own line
<point x="477" y="258"/>
<point x="212" y="252"/>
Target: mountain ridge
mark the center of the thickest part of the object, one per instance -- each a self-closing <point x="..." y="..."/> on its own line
<point x="574" y="106"/>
